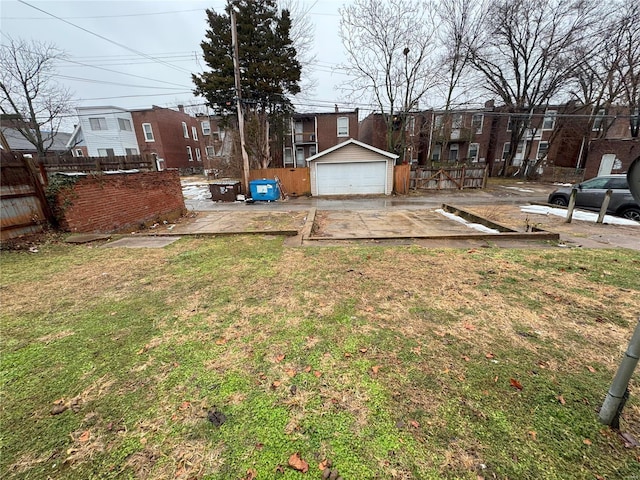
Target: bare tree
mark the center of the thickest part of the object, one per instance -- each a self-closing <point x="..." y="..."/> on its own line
<point x="390" y="49"/>
<point x="303" y="36"/>
<point x="526" y="56"/>
<point x="628" y="34"/>
<point x="29" y="92"/>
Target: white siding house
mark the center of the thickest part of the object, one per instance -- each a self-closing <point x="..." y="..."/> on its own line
<point x="106" y="131"/>
<point x="352" y="168"/>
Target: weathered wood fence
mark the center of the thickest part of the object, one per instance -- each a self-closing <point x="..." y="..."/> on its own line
<point x="296" y="182"/>
<point x="449" y="178"/>
<point x="23" y="206"/>
<point x="67" y="163"/>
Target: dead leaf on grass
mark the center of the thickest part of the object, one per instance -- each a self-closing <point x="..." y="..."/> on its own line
<point x="251" y="474"/>
<point x="465" y="358"/>
<point x="414" y="424"/>
<point x="221" y="341"/>
<point x="469" y="326"/>
<point x="326" y="463"/>
<point x="561" y="399"/>
<point x="307" y="368"/>
<point x="532" y="434"/>
<point x="347" y="355"/>
<point x="490" y="355"/>
<point x="317" y="374"/>
<point x="279" y="358"/>
<point x="297" y="463"/>
<point x="363" y="350"/>
<point x="276" y="384"/>
<point x="586" y="441"/>
<point x="515" y="383"/>
<point x="184" y="405"/>
<point x="375" y="369"/>
<point x="291" y="372"/>
<point x="84" y="436"/>
<point x="591" y="369"/>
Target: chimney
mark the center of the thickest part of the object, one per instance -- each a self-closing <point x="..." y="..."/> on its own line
<point x="181" y="108"/>
<point x="336" y="107"/>
<point x="490" y="104"/>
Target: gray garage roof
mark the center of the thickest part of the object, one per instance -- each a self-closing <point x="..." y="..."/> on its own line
<point x="20" y="144"/>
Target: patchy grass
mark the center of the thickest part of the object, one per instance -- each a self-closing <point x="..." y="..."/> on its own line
<point x="392" y="362"/>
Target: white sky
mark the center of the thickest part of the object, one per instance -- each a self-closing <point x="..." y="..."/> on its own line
<point x="144" y="26"/>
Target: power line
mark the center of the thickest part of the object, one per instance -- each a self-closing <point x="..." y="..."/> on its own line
<point x="104" y="38"/>
<point x="110" y="16"/>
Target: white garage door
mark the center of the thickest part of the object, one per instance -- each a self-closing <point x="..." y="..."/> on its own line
<point x="351" y="178"/>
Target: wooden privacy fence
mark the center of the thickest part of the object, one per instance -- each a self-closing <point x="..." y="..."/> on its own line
<point x="67" y="163"/>
<point x="401" y="179"/>
<point x="23" y="206"/>
<point x="295" y="181"/>
<point x="449" y="178"/>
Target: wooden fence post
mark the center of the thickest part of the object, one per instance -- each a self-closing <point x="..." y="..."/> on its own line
<point x="605" y="205"/>
<point x="572" y="204"/>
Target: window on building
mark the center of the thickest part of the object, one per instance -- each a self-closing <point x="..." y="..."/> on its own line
<point x="211" y="152"/>
<point x="288" y="156"/>
<point x="124" y="124"/>
<point x="549" y="121"/>
<point x="131" y="151"/>
<point x="189" y="154"/>
<point x="299" y="128"/>
<point x="198" y="155"/>
<point x="343" y="126"/>
<point x="473" y="151"/>
<point x="437" y="121"/>
<point x="98" y="123"/>
<point x="510" y="124"/>
<point x="106" y="152"/>
<point x="543" y="148"/>
<point x="206" y="127"/>
<point x="410" y="126"/>
<point x="185" y="130"/>
<point x="148" y="132"/>
<point x="312" y="150"/>
<point x="436" y="153"/>
<point x="194" y="133"/>
<point x="453" y="152"/>
<point x="599" y="120"/>
<point x="300" y="157"/>
<point x="456" y="121"/>
<point x="477" y="121"/>
<point x="505" y="150"/>
<point x="79" y="152"/>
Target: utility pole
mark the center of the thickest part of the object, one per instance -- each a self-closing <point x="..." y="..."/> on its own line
<point x="236" y="71"/>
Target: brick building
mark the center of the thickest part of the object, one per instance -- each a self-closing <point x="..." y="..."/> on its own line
<point x="172" y="136"/>
<point x="309" y="133"/>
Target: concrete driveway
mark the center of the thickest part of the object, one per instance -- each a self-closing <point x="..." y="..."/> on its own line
<point x="405" y="219"/>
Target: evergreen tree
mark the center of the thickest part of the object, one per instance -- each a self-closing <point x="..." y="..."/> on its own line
<point x="269" y="70"/>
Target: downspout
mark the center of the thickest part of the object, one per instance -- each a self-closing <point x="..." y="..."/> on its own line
<point x="433" y="117"/>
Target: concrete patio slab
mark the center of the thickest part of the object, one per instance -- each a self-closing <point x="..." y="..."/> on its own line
<point x="229" y="222"/>
<point x="142" y="242"/>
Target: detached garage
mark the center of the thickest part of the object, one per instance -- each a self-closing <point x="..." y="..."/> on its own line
<point x="351" y="168"/>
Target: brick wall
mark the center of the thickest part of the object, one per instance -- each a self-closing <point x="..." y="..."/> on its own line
<point x="626" y="151"/>
<point x="117" y="202"/>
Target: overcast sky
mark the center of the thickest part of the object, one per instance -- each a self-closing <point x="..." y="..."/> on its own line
<point x="102" y="38"/>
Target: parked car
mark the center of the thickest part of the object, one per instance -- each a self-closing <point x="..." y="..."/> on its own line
<point x="590" y="195"/>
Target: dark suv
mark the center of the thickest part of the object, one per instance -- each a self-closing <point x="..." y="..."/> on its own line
<point x="590" y="196"/>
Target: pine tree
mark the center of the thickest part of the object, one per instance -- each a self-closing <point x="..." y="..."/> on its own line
<point x="269" y="70"/>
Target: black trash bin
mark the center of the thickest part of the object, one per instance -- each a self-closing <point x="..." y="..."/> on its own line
<point x="224" y="190"/>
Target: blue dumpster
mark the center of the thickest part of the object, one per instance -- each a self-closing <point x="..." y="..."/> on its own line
<point x="264" y="189"/>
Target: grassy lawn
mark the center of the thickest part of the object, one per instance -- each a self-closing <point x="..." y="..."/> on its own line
<point x="390" y="362"/>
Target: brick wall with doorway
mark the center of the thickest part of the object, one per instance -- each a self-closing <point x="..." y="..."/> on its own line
<point x="117" y="202"/>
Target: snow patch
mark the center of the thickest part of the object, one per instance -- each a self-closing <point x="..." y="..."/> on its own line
<point x="196" y="192"/>
<point x="475" y="226"/>
<point x="577" y="215"/>
<point x="518" y="189"/>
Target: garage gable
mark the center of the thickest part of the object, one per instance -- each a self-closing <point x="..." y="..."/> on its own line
<point x="352" y="168"/>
